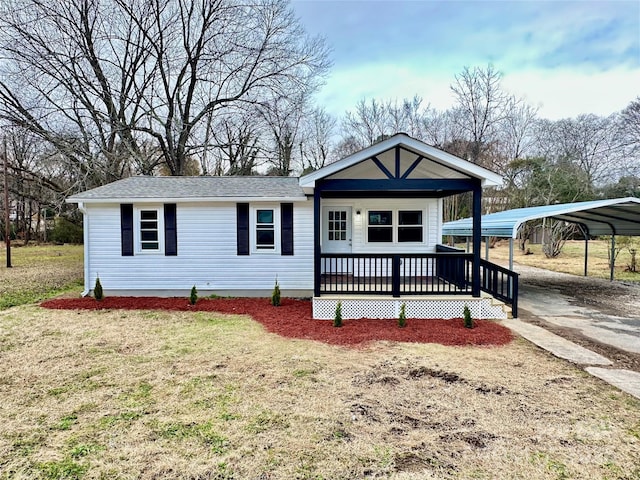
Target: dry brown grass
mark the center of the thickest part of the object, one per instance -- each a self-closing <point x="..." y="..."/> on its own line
<point x="153" y="395"/>
<point x="570" y="260"/>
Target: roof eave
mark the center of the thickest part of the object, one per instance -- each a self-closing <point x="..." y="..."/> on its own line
<point x="76" y="199"/>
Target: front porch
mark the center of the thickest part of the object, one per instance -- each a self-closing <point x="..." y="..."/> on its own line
<point x="431" y="285"/>
<point x="377" y="228"/>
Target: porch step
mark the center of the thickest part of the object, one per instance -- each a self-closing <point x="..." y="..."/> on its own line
<point x="505" y="308"/>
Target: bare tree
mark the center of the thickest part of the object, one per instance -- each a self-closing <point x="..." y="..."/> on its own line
<point x="375" y="120"/>
<point x="97" y="78"/>
<point x="282" y="118"/>
<point x="589" y="142"/>
<point x="482" y="105"/>
<point x="35" y="184"/>
<point x="347" y="146"/>
<point x="629" y="127"/>
<point x="210" y="55"/>
<point x="235" y="147"/>
<point x="368" y="124"/>
<point x="72" y="78"/>
<point x="407" y="116"/>
<point x="439" y="128"/>
<point x="317" y="143"/>
<point x="516" y="132"/>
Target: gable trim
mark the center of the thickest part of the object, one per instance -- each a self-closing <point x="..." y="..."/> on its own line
<point x="487" y="177"/>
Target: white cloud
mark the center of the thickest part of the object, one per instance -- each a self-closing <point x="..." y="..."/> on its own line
<point x="559" y="93"/>
<point x="383" y="82"/>
<point x="569" y="57"/>
<point x="562" y="93"/>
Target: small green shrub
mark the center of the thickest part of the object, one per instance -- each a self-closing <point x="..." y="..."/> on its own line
<point x="468" y="321"/>
<point x="402" y="318"/>
<point x="275" y="296"/>
<point x="193" y="297"/>
<point x="337" y="319"/>
<point x="98" y="294"/>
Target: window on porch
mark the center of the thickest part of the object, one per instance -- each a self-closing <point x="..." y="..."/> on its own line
<point x="402" y="226"/>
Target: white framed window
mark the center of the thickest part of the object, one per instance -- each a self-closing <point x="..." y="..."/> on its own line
<point x="337" y="225"/>
<point x="380" y="226"/>
<point x="148" y="230"/>
<point x="265" y="229"/>
<point x="395" y="226"/>
<point x="410" y="226"/>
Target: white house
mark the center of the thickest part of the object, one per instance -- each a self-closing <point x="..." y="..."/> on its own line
<point x="365" y="230"/>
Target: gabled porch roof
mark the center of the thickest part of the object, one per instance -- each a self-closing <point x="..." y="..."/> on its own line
<point x="400" y="160"/>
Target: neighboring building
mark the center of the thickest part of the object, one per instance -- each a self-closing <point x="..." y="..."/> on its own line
<point x="367" y="225"/>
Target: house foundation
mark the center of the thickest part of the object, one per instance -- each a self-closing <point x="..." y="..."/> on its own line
<point x="483" y="307"/>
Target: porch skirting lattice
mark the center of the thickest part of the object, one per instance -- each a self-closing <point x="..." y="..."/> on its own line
<point x="484" y="307"/>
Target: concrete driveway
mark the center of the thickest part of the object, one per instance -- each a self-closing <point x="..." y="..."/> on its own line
<point x="548" y="303"/>
<point x="606" y="312"/>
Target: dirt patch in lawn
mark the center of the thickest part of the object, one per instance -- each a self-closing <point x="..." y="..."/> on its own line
<point x="293" y="319"/>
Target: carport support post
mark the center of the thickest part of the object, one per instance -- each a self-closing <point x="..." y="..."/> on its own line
<point x="585" y="233"/>
<point x="613" y="257"/>
<point x="511" y="253"/>
<point x="586" y="255"/>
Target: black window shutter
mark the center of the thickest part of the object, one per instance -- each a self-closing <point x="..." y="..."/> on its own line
<point x="126" y="229"/>
<point x="242" y="210"/>
<point x="286" y="230"/>
<point x="170" y="230"/>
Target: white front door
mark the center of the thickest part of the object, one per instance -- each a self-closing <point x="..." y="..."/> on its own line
<point x="336" y="230"/>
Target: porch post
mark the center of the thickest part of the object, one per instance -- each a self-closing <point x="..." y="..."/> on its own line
<point x="477" y="238"/>
<point x="316" y="242"/>
<point x="395" y="275"/>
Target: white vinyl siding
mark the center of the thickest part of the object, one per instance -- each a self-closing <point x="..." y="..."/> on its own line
<point x="207" y="254"/>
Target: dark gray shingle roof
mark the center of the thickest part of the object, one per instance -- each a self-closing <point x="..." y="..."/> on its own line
<point x="158" y="188"/>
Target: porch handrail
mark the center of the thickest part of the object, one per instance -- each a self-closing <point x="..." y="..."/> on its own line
<point x="495" y="280"/>
<point x="445" y="272"/>
<point x="501" y="283"/>
<point x="396" y="274"/>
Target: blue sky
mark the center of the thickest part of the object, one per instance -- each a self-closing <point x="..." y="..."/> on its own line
<point x="566" y="57"/>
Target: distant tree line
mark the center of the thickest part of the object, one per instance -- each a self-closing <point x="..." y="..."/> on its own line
<point x="93" y="91"/>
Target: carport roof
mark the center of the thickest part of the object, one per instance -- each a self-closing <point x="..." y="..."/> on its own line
<point x="618" y="216"/>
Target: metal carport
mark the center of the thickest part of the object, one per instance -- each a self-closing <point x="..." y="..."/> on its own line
<point x="618" y="216"/>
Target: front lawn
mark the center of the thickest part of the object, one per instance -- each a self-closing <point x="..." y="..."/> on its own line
<point x="205" y="395"/>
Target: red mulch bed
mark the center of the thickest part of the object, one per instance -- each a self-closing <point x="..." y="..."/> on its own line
<point x="293" y="320"/>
